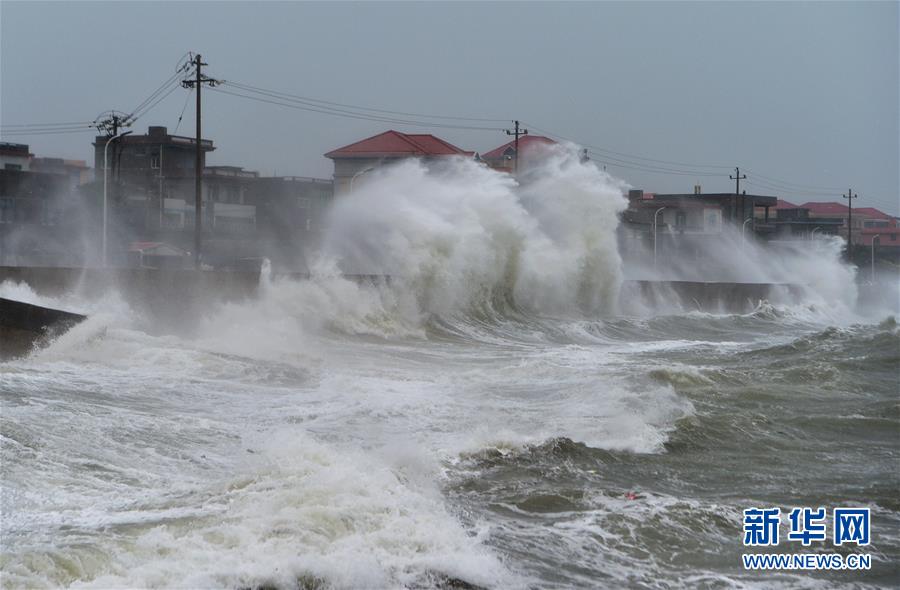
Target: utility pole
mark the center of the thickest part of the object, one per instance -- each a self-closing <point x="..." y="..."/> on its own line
<point x="110" y="125"/>
<point x="850" y="196"/>
<point x="517" y="133"/>
<point x="197" y="83"/>
<point x="737" y="178"/>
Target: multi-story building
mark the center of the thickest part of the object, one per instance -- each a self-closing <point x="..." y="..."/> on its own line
<point x="151" y="193"/>
<point x="15" y="156"/>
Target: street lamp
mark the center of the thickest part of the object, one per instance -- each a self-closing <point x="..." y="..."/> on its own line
<point x="744" y="227"/>
<point x="360" y="173"/>
<point x="654" y="235"/>
<point x="105" y="182"/>
<point x="875" y="237"/>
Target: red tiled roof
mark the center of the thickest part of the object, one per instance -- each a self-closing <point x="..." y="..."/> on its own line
<point x="782" y="204"/>
<point x="395" y="144"/>
<point x="822" y="208"/>
<point x="525" y="142"/>
<point x="871" y="213"/>
<point x="832" y="208"/>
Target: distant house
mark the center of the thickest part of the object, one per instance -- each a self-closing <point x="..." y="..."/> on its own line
<point x="503" y="158"/>
<point x="867" y="222"/>
<point x="793" y="222"/>
<point x="695" y="213"/>
<point x="356" y="159"/>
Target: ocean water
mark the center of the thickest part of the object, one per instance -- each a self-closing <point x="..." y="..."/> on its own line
<point x="494" y="417"/>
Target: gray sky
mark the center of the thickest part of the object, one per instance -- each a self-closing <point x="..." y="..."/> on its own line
<point x="803" y="93"/>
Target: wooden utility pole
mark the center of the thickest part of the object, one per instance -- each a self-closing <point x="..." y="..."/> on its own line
<point x="517" y="133"/>
<point x="849" y="196"/>
<point x="197" y="83"/>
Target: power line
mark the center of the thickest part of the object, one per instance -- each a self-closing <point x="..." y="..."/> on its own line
<point x="347" y="114"/>
<point x="137" y="115"/>
<point x="620" y="163"/>
<point x="601" y="154"/>
<point x="625" y="155"/>
<point x="321" y="102"/>
<point x="764" y="185"/>
<point x="184" y="108"/>
<point x="45" y="132"/>
<point x="172" y="80"/>
<point x="794" y="184"/>
<point x="40" y="125"/>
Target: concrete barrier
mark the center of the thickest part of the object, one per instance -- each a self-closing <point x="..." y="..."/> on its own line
<point x="180" y="296"/>
<point x="713" y="297"/>
<point x="24" y="325"/>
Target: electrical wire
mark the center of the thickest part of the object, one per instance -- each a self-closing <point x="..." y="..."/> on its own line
<point x="160" y="89"/>
<point x="45" y="125"/>
<point x="135" y="116"/>
<point x="788" y="184"/>
<point x="629" y="156"/>
<point x="186" y="99"/>
<point x="350" y="115"/>
<point x="320" y="102"/>
<point x="5" y="133"/>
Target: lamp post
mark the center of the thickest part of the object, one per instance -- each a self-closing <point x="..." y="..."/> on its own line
<point x="743" y="228"/>
<point x="105" y="182"/>
<point x="360" y="173"/>
<point x="875" y="237"/>
<point x="658" y="211"/>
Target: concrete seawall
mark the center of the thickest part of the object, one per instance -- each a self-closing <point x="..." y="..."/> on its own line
<point x="23" y="325"/>
<point x="176" y="295"/>
<point x="710" y="297"/>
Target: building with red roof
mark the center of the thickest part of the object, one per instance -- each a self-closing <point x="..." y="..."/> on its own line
<point x="503" y="158"/>
<point x="355" y="159"/>
<point x="867" y="222"/>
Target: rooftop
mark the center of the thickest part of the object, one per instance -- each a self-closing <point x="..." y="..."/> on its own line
<point x="160" y="135"/>
<point x="393" y="144"/>
<point x="650" y="199"/>
<point x="526" y="142"/>
<point x="832" y="208"/>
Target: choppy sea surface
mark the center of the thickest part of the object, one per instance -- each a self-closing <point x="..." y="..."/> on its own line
<point x="497" y="451"/>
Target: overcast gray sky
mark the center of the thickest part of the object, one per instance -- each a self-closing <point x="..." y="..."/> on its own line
<point x="799" y="95"/>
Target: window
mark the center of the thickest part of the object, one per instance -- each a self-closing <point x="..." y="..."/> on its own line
<point x="154" y="161"/>
<point x="12" y="166"/>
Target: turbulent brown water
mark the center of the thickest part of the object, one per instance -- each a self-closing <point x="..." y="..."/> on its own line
<point x="497" y="419"/>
